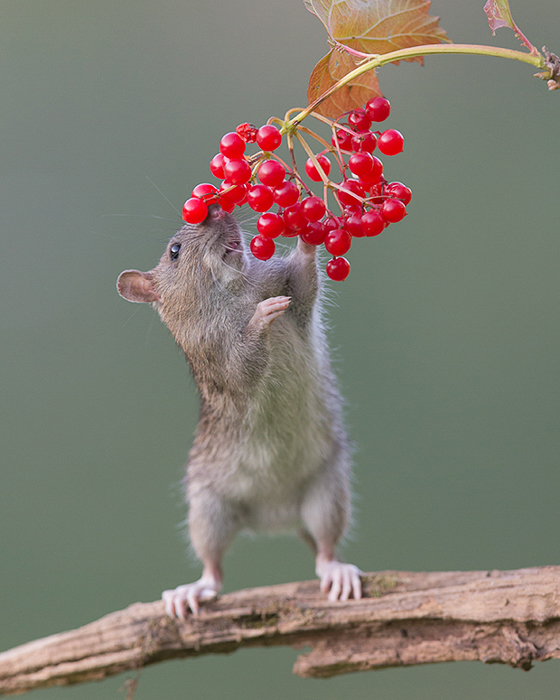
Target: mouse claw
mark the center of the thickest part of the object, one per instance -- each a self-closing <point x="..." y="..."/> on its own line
<point x="341" y="581"/>
<point x="178" y="601"/>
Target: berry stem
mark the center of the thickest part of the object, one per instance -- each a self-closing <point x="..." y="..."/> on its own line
<point x="340" y="158"/>
<point x="255" y="165"/>
<point x="283" y="162"/>
<point x="378" y="60"/>
<point x="287" y="116"/>
<point x="277" y="121"/>
<point x="290" y="144"/>
<point x="310" y="153"/>
<point x="327" y="184"/>
<point x="341" y="188"/>
<point x="326" y="195"/>
<point x="318" y="138"/>
<point x="322" y="141"/>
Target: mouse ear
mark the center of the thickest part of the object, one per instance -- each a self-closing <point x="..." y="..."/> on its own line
<point x="134" y="285"/>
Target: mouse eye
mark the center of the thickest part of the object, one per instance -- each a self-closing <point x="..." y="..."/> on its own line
<point x="174" y="251"/>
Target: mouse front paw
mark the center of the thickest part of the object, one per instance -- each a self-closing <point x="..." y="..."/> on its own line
<point x="178" y="601"/>
<point x="268" y="310"/>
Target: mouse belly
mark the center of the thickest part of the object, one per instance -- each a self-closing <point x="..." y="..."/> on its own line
<point x="263" y="453"/>
<point x="274" y="456"/>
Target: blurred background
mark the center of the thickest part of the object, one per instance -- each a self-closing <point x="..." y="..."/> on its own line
<point x="445" y="334"/>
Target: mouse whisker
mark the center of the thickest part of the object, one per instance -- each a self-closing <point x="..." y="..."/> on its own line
<point x="141" y="216"/>
<point x="166" y="198"/>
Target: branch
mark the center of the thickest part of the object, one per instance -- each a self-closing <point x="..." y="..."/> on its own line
<point x="377" y="60"/>
<point x="510" y="617"/>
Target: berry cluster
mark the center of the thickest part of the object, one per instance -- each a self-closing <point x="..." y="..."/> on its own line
<point x="368" y="203"/>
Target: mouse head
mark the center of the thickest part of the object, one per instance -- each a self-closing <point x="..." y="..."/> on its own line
<point x="200" y="261"/>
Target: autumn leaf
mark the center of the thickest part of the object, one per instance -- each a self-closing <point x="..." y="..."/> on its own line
<point x="331" y="68"/>
<point x="365" y="27"/>
<point x="499" y="15"/>
<point x="378" y="26"/>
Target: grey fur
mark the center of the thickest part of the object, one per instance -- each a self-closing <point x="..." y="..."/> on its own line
<point x="270" y="450"/>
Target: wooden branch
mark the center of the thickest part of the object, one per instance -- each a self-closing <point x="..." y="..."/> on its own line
<point x="510" y="617"/>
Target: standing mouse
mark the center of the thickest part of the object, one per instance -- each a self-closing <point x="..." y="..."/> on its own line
<point x="270" y="451"/>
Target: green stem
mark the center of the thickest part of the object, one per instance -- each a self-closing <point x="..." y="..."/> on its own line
<point x="379" y="60"/>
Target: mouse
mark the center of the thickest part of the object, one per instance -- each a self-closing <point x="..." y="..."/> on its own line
<point x="270" y="451"/>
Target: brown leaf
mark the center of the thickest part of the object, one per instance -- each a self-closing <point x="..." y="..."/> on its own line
<point x="499" y="15"/>
<point x="331" y="68"/>
<point x="378" y="26"/>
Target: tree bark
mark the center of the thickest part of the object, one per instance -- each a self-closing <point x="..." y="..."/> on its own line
<point x="405" y="618"/>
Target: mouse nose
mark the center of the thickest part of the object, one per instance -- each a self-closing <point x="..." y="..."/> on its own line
<point x="216" y="212"/>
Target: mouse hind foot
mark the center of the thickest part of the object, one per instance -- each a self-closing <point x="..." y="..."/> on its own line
<point x="341" y="581"/>
<point x="178" y="601"/>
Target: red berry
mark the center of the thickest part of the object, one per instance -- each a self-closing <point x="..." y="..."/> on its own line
<point x="286" y="194"/>
<point x="247" y="132"/>
<point x="338" y="241"/>
<point x="332" y="222"/>
<point x="205" y="191"/>
<point x="313" y="208"/>
<point x="338" y="269"/>
<point x="361" y="164"/>
<point x="194" y="210"/>
<point x="373" y="223"/>
<point x="359" y="119"/>
<point x="311" y="170"/>
<point x="353" y="225"/>
<point x="292" y="232"/>
<point x="391" y="142"/>
<point x="314" y="234"/>
<point x="268" y="137"/>
<point x="262" y="248"/>
<point x="217" y="166"/>
<point x="270" y="225"/>
<point x="377" y="170"/>
<point x="375" y="190"/>
<point x="399" y="191"/>
<point x="378" y="109"/>
<point x="227" y="205"/>
<point x="343" y="138"/>
<point x="293" y="218"/>
<point x="371" y="181"/>
<point x="232" y="146"/>
<point x="272" y="173"/>
<point x="346" y="198"/>
<point x="393" y="210"/>
<point x="355" y="208"/>
<point x="364" y="142"/>
<point x="259" y="197"/>
<point x="237" y="171"/>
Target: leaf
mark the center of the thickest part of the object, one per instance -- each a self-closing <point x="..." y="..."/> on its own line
<point x="499" y="15"/>
<point x="331" y="68"/>
<point x="378" y="26"/>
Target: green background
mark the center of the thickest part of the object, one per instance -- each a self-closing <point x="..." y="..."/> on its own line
<point x="445" y="334"/>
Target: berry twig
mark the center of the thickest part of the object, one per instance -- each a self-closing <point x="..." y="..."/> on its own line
<point x="378" y="60"/>
<point x="367" y="203"/>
